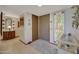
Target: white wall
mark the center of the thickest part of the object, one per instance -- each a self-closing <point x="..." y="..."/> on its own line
<point x="26" y="33"/>
<point x="51" y="28"/>
<point x="68" y="23"/>
<point x="68" y="13"/>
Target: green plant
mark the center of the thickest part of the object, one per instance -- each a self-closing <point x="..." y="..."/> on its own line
<point x="75" y="22"/>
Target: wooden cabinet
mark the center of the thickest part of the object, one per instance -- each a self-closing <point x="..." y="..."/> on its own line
<point x="8" y="35"/>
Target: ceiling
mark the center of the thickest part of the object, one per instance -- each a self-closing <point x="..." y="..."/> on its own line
<point x="34" y="9"/>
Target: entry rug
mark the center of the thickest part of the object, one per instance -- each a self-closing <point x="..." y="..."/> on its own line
<point x="45" y="47"/>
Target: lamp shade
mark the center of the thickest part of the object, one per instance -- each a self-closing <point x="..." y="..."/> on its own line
<point x="9" y="27"/>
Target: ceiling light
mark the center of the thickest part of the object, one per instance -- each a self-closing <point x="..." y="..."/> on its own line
<point x="39" y="5"/>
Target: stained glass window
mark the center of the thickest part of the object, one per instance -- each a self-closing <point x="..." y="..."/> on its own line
<point x="58" y="25"/>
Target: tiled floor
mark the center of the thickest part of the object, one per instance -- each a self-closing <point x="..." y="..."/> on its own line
<point x="14" y="46"/>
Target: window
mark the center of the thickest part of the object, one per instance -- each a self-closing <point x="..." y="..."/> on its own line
<point x="58" y="25"/>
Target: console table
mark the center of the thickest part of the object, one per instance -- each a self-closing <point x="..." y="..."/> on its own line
<point x="8" y="35"/>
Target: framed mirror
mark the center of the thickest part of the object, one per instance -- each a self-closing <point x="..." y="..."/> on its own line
<point x="8" y="23"/>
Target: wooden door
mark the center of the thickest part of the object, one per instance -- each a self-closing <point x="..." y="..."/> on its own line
<point x="34" y="27"/>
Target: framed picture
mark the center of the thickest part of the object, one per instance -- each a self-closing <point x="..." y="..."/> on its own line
<point x="21" y="21"/>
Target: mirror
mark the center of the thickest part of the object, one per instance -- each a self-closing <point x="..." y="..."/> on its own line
<point x="8" y="23"/>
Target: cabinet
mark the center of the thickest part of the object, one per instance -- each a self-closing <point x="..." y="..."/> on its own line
<point x="8" y="35"/>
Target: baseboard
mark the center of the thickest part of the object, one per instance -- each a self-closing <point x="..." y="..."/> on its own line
<point x="53" y="43"/>
<point x="25" y="43"/>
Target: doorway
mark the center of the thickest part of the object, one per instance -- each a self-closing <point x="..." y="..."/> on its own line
<point x="34" y="27"/>
<point x="44" y="27"/>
